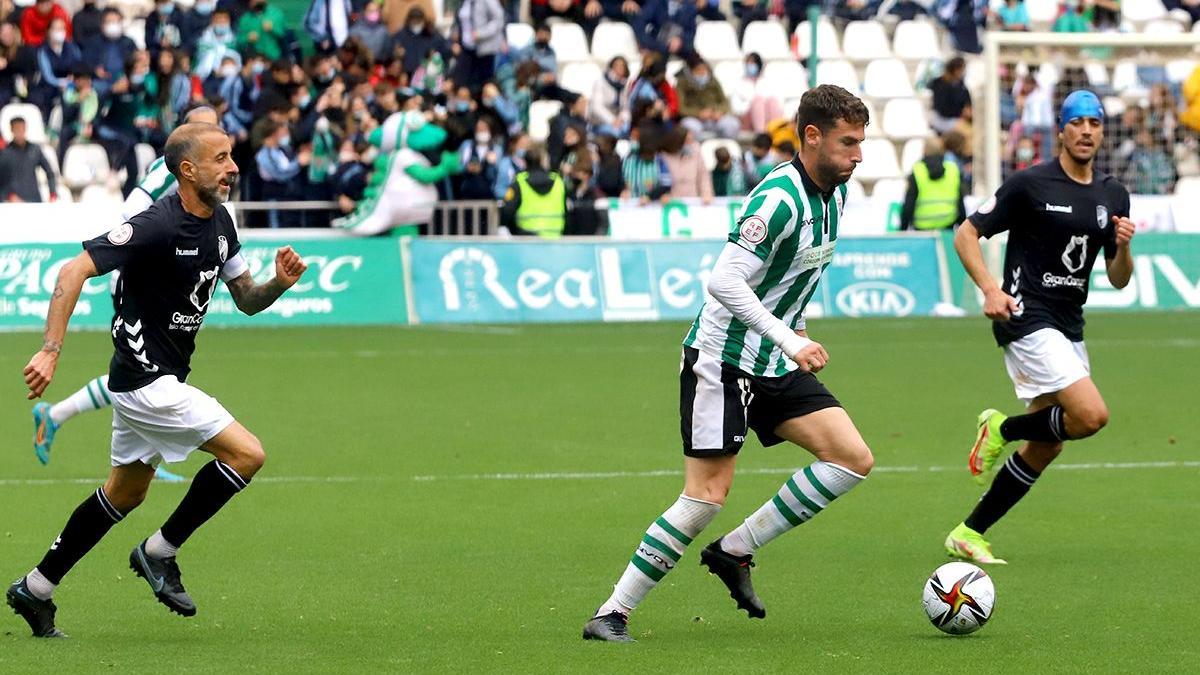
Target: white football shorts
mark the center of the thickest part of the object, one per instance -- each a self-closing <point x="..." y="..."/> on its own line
<point x="163" y="421"/>
<point x="1044" y="362"/>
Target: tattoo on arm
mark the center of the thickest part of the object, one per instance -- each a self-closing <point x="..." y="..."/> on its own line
<point x="58" y="290"/>
<point x="253" y="298"/>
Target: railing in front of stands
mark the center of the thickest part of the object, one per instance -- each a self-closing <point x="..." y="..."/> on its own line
<point x="450" y="219"/>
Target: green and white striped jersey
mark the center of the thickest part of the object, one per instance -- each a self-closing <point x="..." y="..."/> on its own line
<point x="158" y="182"/>
<point x="790" y="226"/>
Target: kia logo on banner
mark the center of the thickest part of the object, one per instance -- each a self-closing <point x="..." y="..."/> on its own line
<point x="875" y="298"/>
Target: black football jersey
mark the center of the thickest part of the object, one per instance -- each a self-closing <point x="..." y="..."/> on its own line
<point x="1056" y="228"/>
<point x="170" y="261"/>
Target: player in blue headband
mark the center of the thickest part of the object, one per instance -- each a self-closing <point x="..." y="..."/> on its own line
<point x="1059" y="216"/>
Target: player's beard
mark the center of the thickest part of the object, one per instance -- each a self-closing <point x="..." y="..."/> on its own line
<point x="216" y="195"/>
<point x="831" y="174"/>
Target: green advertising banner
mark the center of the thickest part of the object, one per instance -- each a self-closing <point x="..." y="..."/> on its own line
<point x="349" y="281"/>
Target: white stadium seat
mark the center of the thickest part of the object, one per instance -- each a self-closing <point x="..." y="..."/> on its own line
<point x="35" y="128"/>
<point x="784" y="77"/>
<point x="1125" y="77"/>
<point x="729" y="74"/>
<point x="145" y="155"/>
<point x="708" y="150"/>
<point x="841" y="73"/>
<point x="1163" y="27"/>
<point x="879" y="161"/>
<point x="674" y="66"/>
<point x="85" y="164"/>
<point x="866" y="41"/>
<point x="916" y="41"/>
<point x="905" y="118"/>
<point x="1042" y="12"/>
<point x="622" y="148"/>
<point x="518" y="35"/>
<point x="1097" y="73"/>
<point x="855" y="191"/>
<point x="976" y="75"/>
<point x="540" y="113"/>
<point x="1187" y="185"/>
<point x="569" y="43"/>
<point x="1141" y="11"/>
<point x="1113" y="106"/>
<point x="890" y="190"/>
<point x="580" y="77"/>
<point x="911" y="153"/>
<point x="1048" y="75"/>
<point x="828" y="45"/>
<point x="135" y="29"/>
<point x="1179" y="69"/>
<point x="875" y="126"/>
<point x="99" y="194"/>
<point x="614" y="38"/>
<point x="768" y="39"/>
<point x="887" y="78"/>
<point x="717" y="41"/>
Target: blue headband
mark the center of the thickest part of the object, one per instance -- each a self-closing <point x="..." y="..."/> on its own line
<point x="1080" y="103"/>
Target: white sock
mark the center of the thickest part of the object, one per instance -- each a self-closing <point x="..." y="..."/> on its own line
<point x="659" y="551"/>
<point x="159" y="548"/>
<point x="803" y="496"/>
<point x="93" y="396"/>
<point x="39" y="585"/>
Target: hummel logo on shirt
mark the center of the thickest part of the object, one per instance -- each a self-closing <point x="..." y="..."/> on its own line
<point x="187" y="251"/>
<point x="1059" y="209"/>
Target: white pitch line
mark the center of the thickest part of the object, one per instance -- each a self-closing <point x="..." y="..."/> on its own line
<point x="600" y="475"/>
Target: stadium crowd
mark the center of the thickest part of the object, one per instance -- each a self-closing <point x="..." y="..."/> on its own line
<point x="301" y="115"/>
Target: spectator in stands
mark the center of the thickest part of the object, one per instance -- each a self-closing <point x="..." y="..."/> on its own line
<point x="702" y="102"/>
<point x="57" y="58"/>
<point x="480" y="158"/>
<point x="1013" y="15"/>
<point x="1025" y="154"/>
<point x="477" y="38"/>
<point x="16" y="61"/>
<point x="647" y="177"/>
<point x="609" y="179"/>
<point x="1037" y="113"/>
<point x="576" y="165"/>
<point x="1103" y="15"/>
<point x="951" y="99"/>
<point x="575" y="115"/>
<point x="666" y="26"/>
<point x="495" y="105"/>
<point x="18" y="162"/>
<point x="193" y="22"/>
<point x="350" y="178"/>
<point x="81" y="104"/>
<point x="689" y="177"/>
<point x="35" y="21"/>
<point x="756" y="106"/>
<point x="652" y="85"/>
<point x="541" y="53"/>
<point x="217" y="42"/>
<point x="233" y="87"/>
<point x="625" y="11"/>
<point x="1071" y="20"/>
<point x="163" y="28"/>
<point x="758" y="160"/>
<point x="856" y="10"/>
<point x="1192" y="7"/>
<point x="608" y="107"/>
<point x="279" y="170"/>
<point x="397" y="13"/>
<point x="536" y="204"/>
<point x="170" y="86"/>
<point x="127" y="117"/>
<point x="262" y="29"/>
<point x="963" y="19"/>
<point x="571" y="10"/>
<point x="511" y="164"/>
<point x="1151" y="169"/>
<point x="959" y="148"/>
<point x="277" y="88"/>
<point x="108" y="53"/>
<point x="727" y="178"/>
<point x="371" y="30"/>
<point x="85" y="25"/>
<point x="418" y="37"/>
<point x="934" y="198"/>
<point x="462" y="110"/>
<point x="1162" y="116"/>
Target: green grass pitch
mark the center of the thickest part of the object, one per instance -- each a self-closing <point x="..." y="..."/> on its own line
<point x="460" y="500"/>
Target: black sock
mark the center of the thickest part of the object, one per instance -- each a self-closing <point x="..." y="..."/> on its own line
<point x="214" y="485"/>
<point x="1045" y="425"/>
<point x="1012" y="481"/>
<point x="85" y="528"/>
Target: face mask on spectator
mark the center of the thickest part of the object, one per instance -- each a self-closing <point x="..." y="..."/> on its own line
<point x="371" y="15"/>
<point x="137" y="79"/>
<point x="701" y="80"/>
<point x="258" y="67"/>
<point x="166" y="8"/>
<point x="222" y="31"/>
<point x="751" y="70"/>
<point x="229" y="70"/>
<point x="322" y="125"/>
<point x="285" y="141"/>
<point x="417" y="27"/>
<point x="1025" y="154"/>
<point x="519" y="153"/>
<point x="489" y="101"/>
<point x="462" y="106"/>
<point x="482" y="138"/>
<point x="370" y="155"/>
<point x="541" y="44"/>
<point x="112" y="30"/>
<point x="57" y="37"/>
<point x="305" y="100"/>
<point x="326" y="77"/>
<point x="204" y="8"/>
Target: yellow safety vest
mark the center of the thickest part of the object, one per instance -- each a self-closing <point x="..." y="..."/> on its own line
<point x="937" y="200"/>
<point x="542" y="214"/>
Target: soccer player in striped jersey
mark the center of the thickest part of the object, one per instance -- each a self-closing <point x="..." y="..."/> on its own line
<point x="748" y="363"/>
<point x="47" y="418"/>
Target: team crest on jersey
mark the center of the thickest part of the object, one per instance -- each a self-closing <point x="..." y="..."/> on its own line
<point x="223" y="247"/>
<point x="1102" y="216"/>
<point x="754" y="230"/>
<point x="120" y="234"/>
<point x="1075" y="255"/>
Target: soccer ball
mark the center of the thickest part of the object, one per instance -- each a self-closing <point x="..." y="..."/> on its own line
<point x="959" y="598"/>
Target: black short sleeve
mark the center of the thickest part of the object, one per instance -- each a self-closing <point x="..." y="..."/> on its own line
<point x="125" y="242"/>
<point x="1122" y="205"/>
<point x="1007" y="206"/>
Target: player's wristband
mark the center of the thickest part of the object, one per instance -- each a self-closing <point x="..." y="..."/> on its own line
<point x="792" y="344"/>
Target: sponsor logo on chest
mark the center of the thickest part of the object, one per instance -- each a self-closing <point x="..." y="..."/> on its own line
<point x="817" y="256"/>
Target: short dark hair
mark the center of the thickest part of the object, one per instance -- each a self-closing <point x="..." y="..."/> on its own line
<point x="823" y="105"/>
<point x="956" y="64"/>
<point x="16" y="120"/>
<point x="535" y="158"/>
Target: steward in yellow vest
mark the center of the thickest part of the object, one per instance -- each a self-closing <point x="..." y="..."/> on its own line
<point x="536" y="202"/>
<point x="934" y="199"/>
